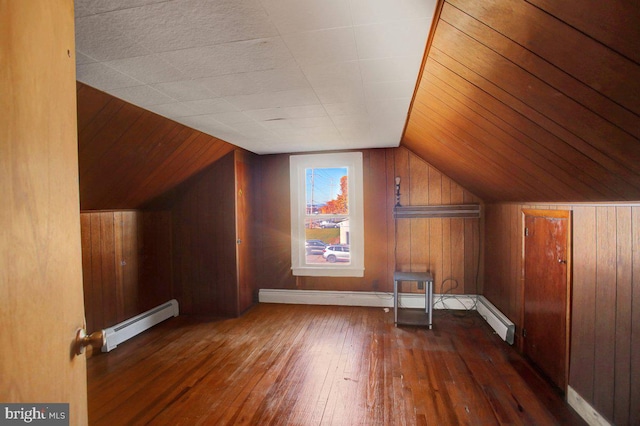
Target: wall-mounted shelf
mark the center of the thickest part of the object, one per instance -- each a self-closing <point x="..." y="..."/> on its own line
<point x="464" y="211"/>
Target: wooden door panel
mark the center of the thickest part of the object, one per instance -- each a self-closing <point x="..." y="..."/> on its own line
<point x="41" y="301"/>
<point x="545" y="294"/>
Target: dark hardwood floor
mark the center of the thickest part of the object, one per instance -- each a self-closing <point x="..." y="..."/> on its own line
<point x="320" y="365"/>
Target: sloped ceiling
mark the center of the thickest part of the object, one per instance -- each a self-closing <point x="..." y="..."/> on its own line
<point x="270" y="76"/>
<point x="516" y="101"/>
<point x="129" y="156"/>
<point x="533" y="100"/>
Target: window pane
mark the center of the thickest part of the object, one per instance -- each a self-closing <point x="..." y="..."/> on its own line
<point x="327" y="220"/>
<point x="326" y="191"/>
<point x="326" y="205"/>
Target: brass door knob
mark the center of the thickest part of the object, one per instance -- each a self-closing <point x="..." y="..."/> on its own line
<point x="95" y="339"/>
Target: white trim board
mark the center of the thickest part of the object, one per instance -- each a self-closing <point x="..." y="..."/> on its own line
<point x="498" y="321"/>
<point x="364" y="298"/>
<point x="584" y="409"/>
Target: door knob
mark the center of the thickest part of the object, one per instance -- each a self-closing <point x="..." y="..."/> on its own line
<point x="562" y="261"/>
<point x="95" y="339"/>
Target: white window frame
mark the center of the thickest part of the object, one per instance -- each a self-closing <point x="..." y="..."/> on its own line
<point x="298" y="165"/>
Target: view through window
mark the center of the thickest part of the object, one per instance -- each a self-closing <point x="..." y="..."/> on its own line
<point x="327" y="215"/>
<point x="327" y="235"/>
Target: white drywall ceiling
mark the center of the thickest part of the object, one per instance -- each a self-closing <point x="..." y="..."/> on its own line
<point x="270" y="76"/>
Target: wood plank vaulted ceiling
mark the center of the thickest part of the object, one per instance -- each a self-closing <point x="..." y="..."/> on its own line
<point x="516" y="101"/>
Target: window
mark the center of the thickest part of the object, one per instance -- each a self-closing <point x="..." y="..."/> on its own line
<point x="327" y="227"/>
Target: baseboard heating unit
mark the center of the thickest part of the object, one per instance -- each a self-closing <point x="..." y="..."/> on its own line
<point x="496" y="319"/>
<point x="125" y="330"/>
<point x="492" y="315"/>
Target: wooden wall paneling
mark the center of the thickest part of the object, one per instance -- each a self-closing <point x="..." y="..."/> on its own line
<point x="496" y="145"/>
<point x="605" y="311"/>
<point x="620" y="175"/>
<point x="588" y="175"/>
<point x="96" y="134"/>
<point x="539" y="95"/>
<point x="583" y="310"/>
<point x="132" y="155"/>
<point x="403" y="237"/>
<point x="420" y="232"/>
<point x="95" y="102"/>
<point x="623" y="311"/>
<point x="516" y="261"/>
<point x="473" y="249"/>
<point x="245" y="196"/>
<point x="503" y="252"/>
<point x="119" y="283"/>
<point x="458" y="249"/>
<point x="204" y="232"/>
<point x="603" y="359"/>
<point x="616" y="26"/>
<point x="110" y="286"/>
<point x="138" y="160"/>
<point x="130" y="263"/>
<point x="87" y="269"/>
<point x="390" y="243"/>
<point x="155" y="284"/>
<point x="545" y="70"/>
<point x="207" y="149"/>
<point x="129" y="156"/>
<point x="96" y="273"/>
<point x="100" y="134"/>
<point x="156" y="182"/>
<point x="446" y="238"/>
<point x="406" y="243"/>
<point x="195" y="157"/>
<point x="444" y="155"/>
<point x="376" y="213"/>
<point x="274" y="223"/>
<point x="493" y="245"/>
<point x="97" y="184"/>
<point x="612" y="68"/>
<point x="634" y="376"/>
<point x="123" y="277"/>
<point x="143" y="178"/>
<point x="436" y="241"/>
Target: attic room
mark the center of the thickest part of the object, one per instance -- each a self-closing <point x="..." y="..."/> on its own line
<point x="146" y="157"/>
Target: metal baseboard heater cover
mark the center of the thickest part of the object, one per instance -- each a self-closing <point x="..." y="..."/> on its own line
<point x="497" y="320"/>
<point x="492" y="315"/>
<point x="125" y="330"/>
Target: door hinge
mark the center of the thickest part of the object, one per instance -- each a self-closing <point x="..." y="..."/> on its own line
<point x="526" y="232"/>
<point x="524" y="332"/>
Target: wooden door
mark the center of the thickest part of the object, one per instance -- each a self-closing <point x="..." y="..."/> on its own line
<point x="41" y="302"/>
<point x="546" y="292"/>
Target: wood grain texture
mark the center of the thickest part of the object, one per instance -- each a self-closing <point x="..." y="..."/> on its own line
<point x="204" y="235"/>
<point x="511" y="114"/>
<point x="584" y="302"/>
<point x="40" y="254"/>
<point x="246" y="238"/>
<point x="312" y="365"/>
<point x="546" y="292"/>
<point x="125" y="263"/>
<point x="213" y="274"/>
<point x="129" y="156"/>
<point x="448" y="248"/>
<point x="603" y="363"/>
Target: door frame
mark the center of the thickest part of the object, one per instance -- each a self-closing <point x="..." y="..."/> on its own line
<point x="553" y="214"/>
